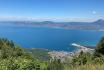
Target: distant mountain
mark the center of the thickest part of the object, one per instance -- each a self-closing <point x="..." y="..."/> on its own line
<point x="99" y="22"/>
<point x="97" y="25"/>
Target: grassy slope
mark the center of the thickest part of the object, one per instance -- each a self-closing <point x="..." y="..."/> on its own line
<point x="87" y="67"/>
<point x="39" y="53"/>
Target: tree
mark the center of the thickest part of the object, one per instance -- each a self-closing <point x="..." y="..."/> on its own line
<point x="13" y="57"/>
<point x="100" y="47"/>
<point x="55" y="65"/>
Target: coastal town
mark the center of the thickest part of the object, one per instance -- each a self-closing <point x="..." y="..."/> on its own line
<point x="65" y="54"/>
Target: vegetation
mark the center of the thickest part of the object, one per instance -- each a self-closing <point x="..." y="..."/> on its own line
<point x="55" y="65"/>
<point x="88" y="61"/>
<point x="13" y="57"/>
<point x="86" y="67"/>
<point x="100" y="47"/>
<point x="39" y="53"/>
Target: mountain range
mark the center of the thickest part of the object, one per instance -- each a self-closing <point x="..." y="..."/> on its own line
<point x="96" y="25"/>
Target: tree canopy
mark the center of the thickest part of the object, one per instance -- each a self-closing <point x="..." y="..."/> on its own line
<point x="100" y="47"/>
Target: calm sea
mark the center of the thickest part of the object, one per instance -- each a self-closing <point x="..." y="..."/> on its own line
<point x="50" y="38"/>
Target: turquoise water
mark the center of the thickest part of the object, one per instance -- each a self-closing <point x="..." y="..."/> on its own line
<point x="50" y="38"/>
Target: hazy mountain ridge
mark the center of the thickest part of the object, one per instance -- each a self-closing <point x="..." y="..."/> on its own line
<point x="97" y="25"/>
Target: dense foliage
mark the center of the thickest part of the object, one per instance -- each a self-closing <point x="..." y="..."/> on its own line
<point x="100" y="47"/>
<point x="55" y="64"/>
<point x="13" y="57"/>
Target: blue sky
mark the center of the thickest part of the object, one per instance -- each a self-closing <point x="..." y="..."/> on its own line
<point x="66" y="10"/>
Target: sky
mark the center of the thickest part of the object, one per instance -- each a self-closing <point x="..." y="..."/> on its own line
<point x="56" y="10"/>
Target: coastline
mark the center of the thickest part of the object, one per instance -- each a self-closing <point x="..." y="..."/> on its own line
<point x="65" y="54"/>
<point x="50" y="25"/>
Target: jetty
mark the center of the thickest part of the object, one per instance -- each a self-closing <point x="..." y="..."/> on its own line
<point x="83" y="48"/>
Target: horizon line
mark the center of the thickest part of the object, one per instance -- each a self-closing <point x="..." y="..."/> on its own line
<point x="49" y="19"/>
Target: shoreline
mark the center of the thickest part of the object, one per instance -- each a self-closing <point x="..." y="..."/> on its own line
<point x="65" y="54"/>
<point x="47" y="26"/>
